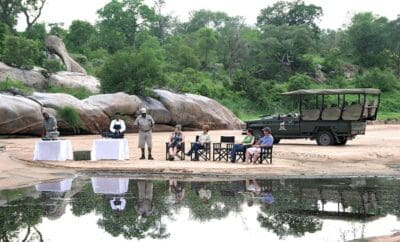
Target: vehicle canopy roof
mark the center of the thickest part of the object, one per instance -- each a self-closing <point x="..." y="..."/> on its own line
<point x="333" y="91"/>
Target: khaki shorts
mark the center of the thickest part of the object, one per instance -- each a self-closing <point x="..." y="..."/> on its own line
<point x="253" y="150"/>
<point x="145" y="138"/>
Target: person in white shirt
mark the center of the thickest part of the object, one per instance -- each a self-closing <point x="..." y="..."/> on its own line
<point x="117" y="126"/>
<point x="118" y="203"/>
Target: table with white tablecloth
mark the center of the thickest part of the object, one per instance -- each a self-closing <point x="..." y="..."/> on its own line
<point x="53" y="150"/>
<point x="110" y="149"/>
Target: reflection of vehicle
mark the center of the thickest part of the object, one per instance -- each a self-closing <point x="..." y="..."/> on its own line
<point x="330" y="116"/>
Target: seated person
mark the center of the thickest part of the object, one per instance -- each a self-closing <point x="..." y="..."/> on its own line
<point x="118" y="203"/>
<point x="266" y="141"/>
<point x="203" y="139"/>
<point x="247" y="141"/>
<point x="49" y="127"/>
<point x="176" y="190"/>
<point x="117" y="126"/>
<point x="175" y="142"/>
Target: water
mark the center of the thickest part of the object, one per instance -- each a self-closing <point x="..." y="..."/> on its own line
<point x="123" y="209"/>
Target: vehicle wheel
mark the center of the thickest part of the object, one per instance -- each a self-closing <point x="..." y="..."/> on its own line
<point x="342" y="141"/>
<point x="325" y="138"/>
<point x="276" y="141"/>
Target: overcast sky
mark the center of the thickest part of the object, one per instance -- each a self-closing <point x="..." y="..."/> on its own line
<point x="337" y="13"/>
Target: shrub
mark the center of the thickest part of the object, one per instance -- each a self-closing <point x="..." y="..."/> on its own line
<point x="377" y="78"/>
<point x="15" y="85"/>
<point x="78" y="92"/>
<point x="299" y="81"/>
<point x="131" y="72"/>
<point x="53" y="66"/>
<point x="71" y="116"/>
<point x="20" y="52"/>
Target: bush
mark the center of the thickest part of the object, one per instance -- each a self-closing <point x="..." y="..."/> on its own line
<point x="15" y="85"/>
<point x="299" y="81"/>
<point x="80" y="92"/>
<point x="20" y="52"/>
<point x="377" y="78"/>
<point x="71" y="116"/>
<point x="131" y="72"/>
<point x="53" y="66"/>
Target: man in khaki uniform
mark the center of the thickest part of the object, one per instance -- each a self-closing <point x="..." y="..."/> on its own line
<point x="145" y="124"/>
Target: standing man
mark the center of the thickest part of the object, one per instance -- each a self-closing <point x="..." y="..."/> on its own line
<point x="49" y="127"/>
<point x="145" y="124"/>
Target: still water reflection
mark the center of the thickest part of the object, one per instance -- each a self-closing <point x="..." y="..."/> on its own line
<point x="121" y="209"/>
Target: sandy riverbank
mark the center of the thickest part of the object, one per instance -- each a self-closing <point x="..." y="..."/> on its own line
<point x="375" y="154"/>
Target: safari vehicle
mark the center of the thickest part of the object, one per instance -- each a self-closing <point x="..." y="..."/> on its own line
<point x="329" y="116"/>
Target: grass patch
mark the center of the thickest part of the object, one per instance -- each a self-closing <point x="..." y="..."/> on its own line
<point x="15" y="85"/>
<point x="71" y="116"/>
<point x="80" y="92"/>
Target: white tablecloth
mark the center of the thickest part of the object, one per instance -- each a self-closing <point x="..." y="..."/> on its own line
<point x="59" y="186"/>
<point x="53" y="150"/>
<point x="110" y="149"/>
<point x="108" y="185"/>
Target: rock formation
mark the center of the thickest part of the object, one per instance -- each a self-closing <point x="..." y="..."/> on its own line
<point x="75" y="80"/>
<point x="57" y="45"/>
<point x="22" y="115"/>
<point x="30" y="78"/>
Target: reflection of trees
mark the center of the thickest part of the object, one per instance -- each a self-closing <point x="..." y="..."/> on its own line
<point x="217" y="207"/>
<point x="284" y="224"/>
<point x="19" y="215"/>
<point x="126" y="222"/>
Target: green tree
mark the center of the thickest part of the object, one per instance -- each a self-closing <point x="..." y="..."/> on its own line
<point x="57" y="30"/>
<point x="32" y="9"/>
<point x="281" y="49"/>
<point x="290" y="13"/>
<point x="20" y="52"/>
<point x="299" y="81"/>
<point x="205" y="19"/>
<point x="37" y="32"/>
<point x="3" y="35"/>
<point x="131" y="72"/>
<point x="368" y="37"/>
<point x="122" y="21"/>
<point x="79" y="35"/>
<point x="232" y="48"/>
<point x="9" y="10"/>
<point x="377" y="78"/>
<point x="394" y="43"/>
<point x="207" y="41"/>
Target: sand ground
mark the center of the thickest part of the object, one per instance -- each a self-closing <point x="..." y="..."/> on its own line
<point x="375" y="154"/>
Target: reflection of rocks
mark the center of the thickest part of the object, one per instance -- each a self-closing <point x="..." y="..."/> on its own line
<point x="57" y="45"/>
<point x="30" y="78"/>
<point x="75" y="80"/>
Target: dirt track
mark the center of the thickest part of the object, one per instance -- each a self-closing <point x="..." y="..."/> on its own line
<point x="375" y="154"/>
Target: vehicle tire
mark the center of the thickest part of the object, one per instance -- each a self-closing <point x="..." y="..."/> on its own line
<point x="276" y="141"/>
<point x="325" y="138"/>
<point x="342" y="141"/>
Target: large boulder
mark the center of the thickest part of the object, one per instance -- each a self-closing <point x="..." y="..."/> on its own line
<point x="116" y="102"/>
<point x="20" y="115"/>
<point x="75" y="80"/>
<point x="157" y="110"/>
<point x="194" y="111"/>
<point x="93" y="117"/>
<point x="33" y="79"/>
<point x="55" y="44"/>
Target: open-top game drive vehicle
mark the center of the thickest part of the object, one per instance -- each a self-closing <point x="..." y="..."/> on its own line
<point x="330" y="116"/>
